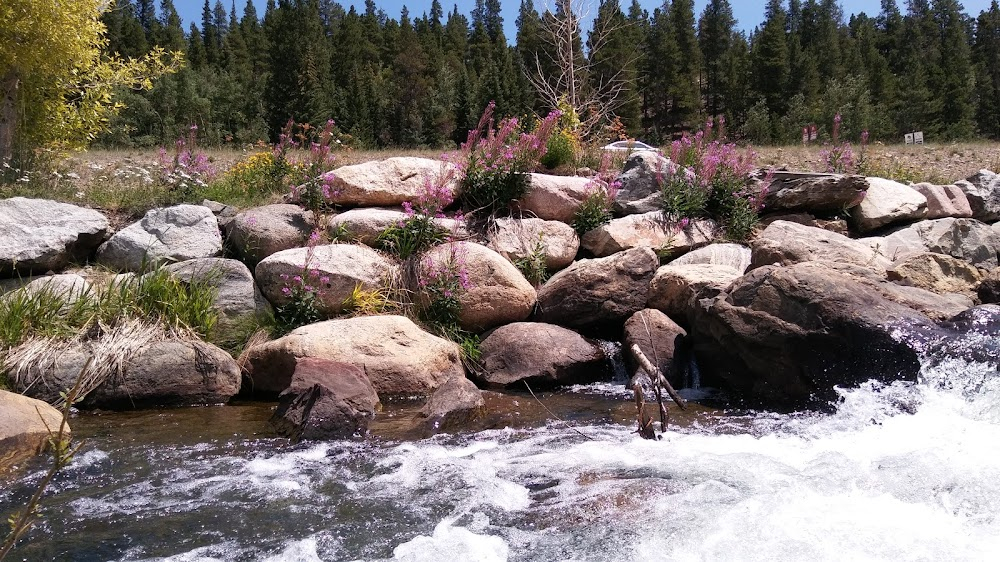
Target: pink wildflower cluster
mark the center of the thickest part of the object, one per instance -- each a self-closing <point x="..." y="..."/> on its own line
<point x="310" y="281"/>
<point x="444" y="281"/>
<point x="435" y="196"/>
<point x="187" y="166"/>
<point x="839" y="157"/>
<point x="318" y="184"/>
<point x="505" y="149"/>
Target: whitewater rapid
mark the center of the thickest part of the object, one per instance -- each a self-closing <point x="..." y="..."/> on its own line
<point x="898" y="472"/>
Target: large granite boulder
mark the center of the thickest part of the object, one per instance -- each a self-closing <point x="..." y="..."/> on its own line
<point x="640" y="183"/>
<point x="888" y="202"/>
<point x="364" y="225"/>
<point x="37" y="235"/>
<point x="496" y="293"/>
<point x="66" y="286"/>
<point x="237" y="296"/>
<point x="733" y="256"/>
<point x="331" y="271"/>
<point x="937" y="273"/>
<point x="454" y="405"/>
<point x="835" y="224"/>
<point x="388" y="183"/>
<point x="676" y="289"/>
<point x="820" y="193"/>
<point x="541" y="355"/>
<point x="944" y="201"/>
<point x="786" y="336"/>
<point x="160" y="373"/>
<point x="171" y="234"/>
<point x="601" y="291"/>
<point x="651" y="230"/>
<point x="325" y="400"/>
<point x="966" y="239"/>
<point x="518" y="239"/>
<point x="785" y="243"/>
<point x="555" y="198"/>
<point x="399" y="358"/>
<point x="25" y="424"/>
<point x="259" y="232"/>
<point x="660" y="339"/>
<point x="983" y="192"/>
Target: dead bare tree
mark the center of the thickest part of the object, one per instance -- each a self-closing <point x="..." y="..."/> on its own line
<point x="564" y="74"/>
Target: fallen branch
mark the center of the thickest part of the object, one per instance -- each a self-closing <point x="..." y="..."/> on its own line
<point x="658" y="383"/>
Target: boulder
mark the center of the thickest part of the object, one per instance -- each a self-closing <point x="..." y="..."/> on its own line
<point x="399" y="358"/>
<point x="259" y="232"/>
<point x="67" y="286"/>
<point x="161" y="373"/>
<point x="785" y="243"/>
<point x="496" y="293"/>
<point x="944" y="201"/>
<point x="389" y="182"/>
<point x="237" y="295"/>
<point x="833" y="225"/>
<point x="989" y="288"/>
<point x="786" y="336"/>
<point x="542" y="355"/>
<point x="640" y="186"/>
<point x="598" y="291"/>
<point x="651" y="230"/>
<point x="966" y="239"/>
<point x="331" y="271"/>
<point x="676" y="289"/>
<point x="555" y="198"/>
<point x="37" y="235"/>
<point x="888" y="202"/>
<point x="223" y="213"/>
<point x="172" y="234"/>
<point x="454" y="405"/>
<point x="658" y="337"/>
<point x="364" y="225"/>
<point x="822" y="193"/>
<point x="24" y="427"/>
<point x="734" y="256"/>
<point x="983" y="192"/>
<point x="937" y="273"/>
<point x="325" y="400"/>
<point x="517" y="239"/>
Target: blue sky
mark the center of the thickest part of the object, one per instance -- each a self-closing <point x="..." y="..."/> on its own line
<point x="748" y="12"/>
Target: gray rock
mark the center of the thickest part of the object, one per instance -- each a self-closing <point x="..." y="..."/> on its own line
<point x="651" y="230"/>
<point x="172" y="234"/>
<point x="325" y="400"/>
<point x="598" y="291"/>
<point x="944" y="201"/>
<point x="983" y="192"/>
<point x="659" y="338"/>
<point x="676" y="289"/>
<point x="966" y="239"/>
<point x="731" y="255"/>
<point x="823" y="193"/>
<point x="517" y="239"/>
<point x="67" y="286"/>
<point x="785" y="243"/>
<point x="837" y="225"/>
<point x="640" y="187"/>
<point x="333" y="271"/>
<point x="238" y="296"/>
<point x="542" y="355"/>
<point x="262" y="231"/>
<point x="399" y="358"/>
<point x="888" y="202"/>
<point x="455" y="405"/>
<point x="37" y="235"/>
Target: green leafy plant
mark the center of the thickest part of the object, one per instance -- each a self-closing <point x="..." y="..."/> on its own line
<point x="303" y="293"/>
<point x="411" y="236"/>
<point x="560" y="150"/>
<point x="595" y="210"/>
<point x="532" y="265"/>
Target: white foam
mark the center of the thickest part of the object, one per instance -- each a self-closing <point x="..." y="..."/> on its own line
<point x="453" y="543"/>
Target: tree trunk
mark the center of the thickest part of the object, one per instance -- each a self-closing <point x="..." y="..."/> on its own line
<point x="9" y="85"/>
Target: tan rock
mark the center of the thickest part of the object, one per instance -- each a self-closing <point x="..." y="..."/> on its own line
<point x="555" y="198"/>
<point x="676" y="289"/>
<point x="387" y="183"/>
<point x="259" y="232"/>
<point x="364" y="225"/>
<point x="938" y="273"/>
<point x="24" y="427"/>
<point x="517" y="239"/>
<point x="650" y="230"/>
<point x="785" y="243"/>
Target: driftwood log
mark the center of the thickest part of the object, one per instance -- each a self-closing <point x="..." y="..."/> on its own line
<point x="659" y="383"/>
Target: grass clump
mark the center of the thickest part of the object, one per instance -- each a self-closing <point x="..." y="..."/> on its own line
<point x="532" y="265"/>
<point x="412" y="236"/>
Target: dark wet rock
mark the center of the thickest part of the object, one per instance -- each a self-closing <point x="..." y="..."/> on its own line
<point x="457" y="404"/>
<point x="543" y="355"/>
<point x="657" y="336"/>
<point x="325" y="400"/>
<point x="989" y="289"/>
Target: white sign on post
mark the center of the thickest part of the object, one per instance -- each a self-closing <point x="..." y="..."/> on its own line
<point x="909" y="138"/>
<point x="918" y="137"/>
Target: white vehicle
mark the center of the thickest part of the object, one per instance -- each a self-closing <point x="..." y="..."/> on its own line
<point x="629" y="146"/>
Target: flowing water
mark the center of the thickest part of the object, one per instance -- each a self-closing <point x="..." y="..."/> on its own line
<point x="898" y="472"/>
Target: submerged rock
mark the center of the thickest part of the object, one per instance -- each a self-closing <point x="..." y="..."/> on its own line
<point x="38" y="235"/>
<point x="325" y="400"/>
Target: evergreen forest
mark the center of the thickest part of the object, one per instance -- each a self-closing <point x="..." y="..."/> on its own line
<point x="409" y="80"/>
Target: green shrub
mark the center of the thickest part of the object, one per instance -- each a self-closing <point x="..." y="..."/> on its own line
<point x="414" y="235"/>
<point x="532" y="266"/>
<point x="595" y="211"/>
<point x="560" y="150"/>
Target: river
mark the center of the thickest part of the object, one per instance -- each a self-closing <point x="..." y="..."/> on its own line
<point x="898" y="472"/>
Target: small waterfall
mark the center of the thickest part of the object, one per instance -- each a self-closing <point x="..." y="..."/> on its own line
<point x="693" y="378"/>
<point x="616" y="361"/>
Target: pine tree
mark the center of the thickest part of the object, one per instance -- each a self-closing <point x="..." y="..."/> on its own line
<point x="770" y="58"/>
<point x="171" y="34"/>
<point x="953" y="86"/>
<point x="715" y="37"/>
<point x="208" y="34"/>
<point x="659" y="73"/>
<point x="987" y="54"/>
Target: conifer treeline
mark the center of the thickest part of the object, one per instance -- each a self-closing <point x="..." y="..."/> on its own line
<point x="422" y="81"/>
